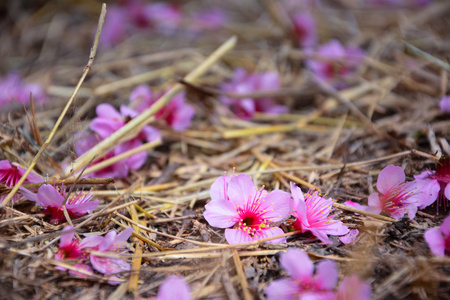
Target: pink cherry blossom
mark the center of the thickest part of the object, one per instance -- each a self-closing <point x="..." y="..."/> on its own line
<point x="397" y="197"/>
<point x="438" y="239"/>
<point x="436" y="183"/>
<point x="335" y="63"/>
<point x="10" y="174"/>
<point x="312" y="213"/>
<point x="110" y="243"/>
<point x="303" y="284"/>
<point x="177" y="113"/>
<point x="237" y="204"/>
<point x="353" y="288"/>
<point x="445" y="104"/>
<point x="51" y="199"/>
<point x="69" y="248"/>
<point x="174" y="288"/>
<point x="13" y="88"/>
<point x="244" y="83"/>
<point x="305" y="27"/>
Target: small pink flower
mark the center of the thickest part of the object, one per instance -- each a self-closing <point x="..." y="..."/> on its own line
<point x="115" y="27"/>
<point x="51" y="199"/>
<point x="10" y="174"/>
<point x="438" y="239"/>
<point x="303" y="284"/>
<point x="12" y="88"/>
<point x="305" y="27"/>
<point x="353" y="288"/>
<point x="244" y="83"/>
<point x="110" y="243"/>
<point x="312" y="213"/>
<point x="336" y="64"/>
<point x="436" y="183"/>
<point x="349" y="237"/>
<point x="69" y="248"/>
<point x="177" y="113"/>
<point x="236" y="203"/>
<point x="174" y="288"/>
<point x="445" y="104"/>
<point x="210" y="19"/>
<point x="397" y="197"/>
<point x="163" y="16"/>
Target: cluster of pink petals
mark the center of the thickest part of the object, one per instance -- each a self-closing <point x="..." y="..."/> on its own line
<point x="72" y="249"/>
<point x="107" y="122"/>
<point x="247" y="213"/>
<point x="177" y="113"/>
<point x="10" y="174"/>
<point x="13" y="89"/>
<point x="335" y="63"/>
<point x="305" y="28"/>
<point x="304" y="284"/>
<point x="313" y="214"/>
<point x="438" y="239"/>
<point x="51" y="199"/>
<point x="244" y="83"/>
<point x="125" y="19"/>
<point x="174" y="288"/>
<point x="437" y="183"/>
<point x="444" y="103"/>
<point x="397" y="197"/>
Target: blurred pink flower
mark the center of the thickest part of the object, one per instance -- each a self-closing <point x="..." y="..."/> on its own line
<point x="436" y="183"/>
<point x="353" y="288"/>
<point x="397" y="197"/>
<point x="312" y="213"/>
<point x="336" y="63"/>
<point x="163" y="16"/>
<point x="69" y="248"/>
<point x="10" y="174"/>
<point x="115" y="26"/>
<point x="110" y="243"/>
<point x="174" y="288"/>
<point x="438" y="239"/>
<point x="445" y="104"/>
<point x="51" y="199"/>
<point x="303" y="284"/>
<point x="12" y="88"/>
<point x="244" y="83"/>
<point x="210" y="19"/>
<point x="236" y="203"/>
<point x="305" y="27"/>
<point x="177" y="113"/>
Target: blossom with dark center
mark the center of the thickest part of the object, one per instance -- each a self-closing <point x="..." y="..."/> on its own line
<point x="437" y="184"/>
<point x="302" y="283"/>
<point x="438" y="239"/>
<point x="51" y="199"/>
<point x="305" y="28"/>
<point x="237" y="204"/>
<point x="313" y="214"/>
<point x="397" y="197"/>
<point x="10" y="174"/>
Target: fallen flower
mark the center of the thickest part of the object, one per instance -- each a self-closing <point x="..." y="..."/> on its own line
<point x="12" y="88"/>
<point x="69" y="249"/>
<point x="110" y="243"/>
<point x="237" y="204"/>
<point x="353" y="288"/>
<point x="177" y="113"/>
<point x="51" y="199"/>
<point x="174" y="288"/>
<point x="336" y="63"/>
<point x="313" y="214"/>
<point x="10" y="174"/>
<point x="244" y="83"/>
<point x="438" y="239"/>
<point x="397" y="197"/>
<point x="303" y="284"/>
<point x="437" y="183"/>
<point x="305" y="27"/>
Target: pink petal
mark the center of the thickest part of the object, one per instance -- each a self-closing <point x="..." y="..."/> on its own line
<point x="174" y="288"/>
<point x="107" y="111"/>
<point x="390" y="178"/>
<point x="374" y="203"/>
<point x="435" y="241"/>
<point x="326" y="275"/>
<point x="297" y="264"/>
<point x="445" y="227"/>
<point x="218" y="190"/>
<point x="278" y="205"/>
<point x="92" y="241"/>
<point x="48" y="196"/>
<point x="123" y="236"/>
<point x="151" y="133"/>
<point x="30" y="196"/>
<point x="125" y="111"/>
<point x="445" y="104"/>
<point x="283" y="289"/>
<point x="236" y="236"/>
<point x="141" y="94"/>
<point x="447" y="191"/>
<point x="83" y="207"/>
<point x="321" y="235"/>
<point x="297" y="194"/>
<point x="108" y="241"/>
<point x="355" y="205"/>
<point x="424" y="175"/>
<point x="352" y="288"/>
<point x="103" y="127"/>
<point x="183" y="117"/>
<point x="67" y="237"/>
<point x="271" y="232"/>
<point x="240" y="189"/>
<point x="350" y="237"/>
<point x="220" y="213"/>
